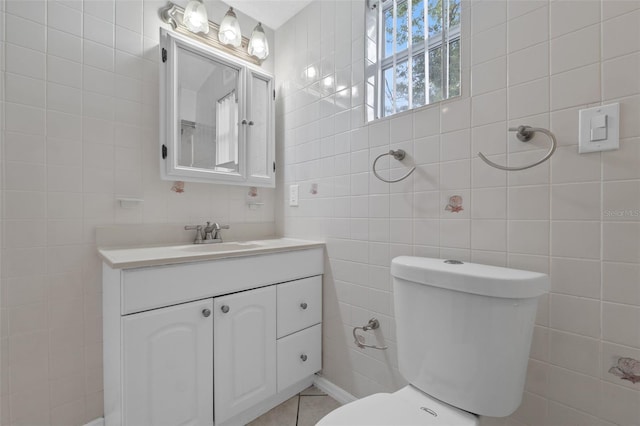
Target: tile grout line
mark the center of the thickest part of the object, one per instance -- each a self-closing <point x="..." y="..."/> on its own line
<point x="298" y="410"/>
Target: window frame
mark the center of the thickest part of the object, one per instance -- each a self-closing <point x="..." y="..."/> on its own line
<point x="442" y="39"/>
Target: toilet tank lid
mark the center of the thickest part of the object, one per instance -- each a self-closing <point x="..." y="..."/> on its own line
<point x="486" y="280"/>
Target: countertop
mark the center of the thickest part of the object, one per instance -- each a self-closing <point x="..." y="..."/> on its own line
<point x="138" y="257"/>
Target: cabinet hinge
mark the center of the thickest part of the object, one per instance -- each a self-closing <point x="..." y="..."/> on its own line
<point x="164" y="151"/>
<point x="274" y="167"/>
<point x="164" y="55"/>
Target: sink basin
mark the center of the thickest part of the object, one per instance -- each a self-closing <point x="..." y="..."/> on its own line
<point x="218" y="247"/>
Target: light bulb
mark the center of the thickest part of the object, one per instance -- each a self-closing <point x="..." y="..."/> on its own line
<point x="229" y="32"/>
<point x="258" y="45"/>
<point x="195" y="17"/>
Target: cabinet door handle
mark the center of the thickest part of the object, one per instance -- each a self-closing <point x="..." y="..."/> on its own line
<point x="303" y="357"/>
<point x="303" y="305"/>
<point x="251" y="123"/>
<point x="244" y="121"/>
<point x="224" y="309"/>
<point x="206" y="313"/>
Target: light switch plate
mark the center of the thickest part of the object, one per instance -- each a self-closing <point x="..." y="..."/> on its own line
<point x="596" y="115"/>
<point x="293" y="195"/>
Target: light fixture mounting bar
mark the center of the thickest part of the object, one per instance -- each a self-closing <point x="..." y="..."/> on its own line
<point x="172" y="14"/>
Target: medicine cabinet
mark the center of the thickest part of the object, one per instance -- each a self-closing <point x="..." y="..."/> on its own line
<point x="216" y="116"/>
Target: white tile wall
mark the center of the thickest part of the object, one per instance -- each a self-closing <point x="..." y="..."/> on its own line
<point x="532" y="62"/>
<point x="79" y="96"/>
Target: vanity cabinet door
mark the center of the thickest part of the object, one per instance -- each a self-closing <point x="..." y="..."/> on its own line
<point x="245" y="350"/>
<point x="168" y="368"/>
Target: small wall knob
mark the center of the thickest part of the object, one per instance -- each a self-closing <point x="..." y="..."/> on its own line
<point x="303" y="357"/>
<point x="303" y="305"/>
<point x="224" y="309"/>
<point x="206" y="312"/>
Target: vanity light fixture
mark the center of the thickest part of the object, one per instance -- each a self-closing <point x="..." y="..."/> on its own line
<point x="195" y="17"/>
<point x="229" y="32"/>
<point x="258" y="44"/>
<point x="226" y="36"/>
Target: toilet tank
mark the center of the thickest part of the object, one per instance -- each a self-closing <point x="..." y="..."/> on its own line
<point x="464" y="330"/>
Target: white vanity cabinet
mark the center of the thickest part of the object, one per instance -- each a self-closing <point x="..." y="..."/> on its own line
<point x="210" y="342"/>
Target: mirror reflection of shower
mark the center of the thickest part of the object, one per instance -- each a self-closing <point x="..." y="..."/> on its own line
<point x="227" y="132"/>
<point x="208" y="118"/>
<point x="187" y="131"/>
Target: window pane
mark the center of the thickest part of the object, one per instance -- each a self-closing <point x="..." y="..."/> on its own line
<point x="402" y="26"/>
<point x="435" y="17"/>
<point x="454" y="12"/>
<point x="418" y="79"/>
<point x="435" y="74"/>
<point x="387" y="89"/>
<point x="388" y="33"/>
<point x="402" y="86"/>
<point x="454" y="68"/>
<point x="417" y="20"/>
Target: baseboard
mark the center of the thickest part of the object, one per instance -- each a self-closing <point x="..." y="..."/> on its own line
<point x="96" y="422"/>
<point x="334" y="391"/>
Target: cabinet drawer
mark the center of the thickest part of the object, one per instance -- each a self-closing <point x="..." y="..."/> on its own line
<point x="299" y="356"/>
<point x="299" y="305"/>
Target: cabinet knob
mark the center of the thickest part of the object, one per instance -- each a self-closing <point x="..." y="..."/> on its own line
<point x="206" y="312"/>
<point x="244" y="121"/>
<point x="224" y="309"/>
<point x="303" y="357"/>
<point x="303" y="305"/>
<point x="251" y="123"/>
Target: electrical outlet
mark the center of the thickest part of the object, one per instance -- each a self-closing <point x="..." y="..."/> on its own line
<point x="293" y="195"/>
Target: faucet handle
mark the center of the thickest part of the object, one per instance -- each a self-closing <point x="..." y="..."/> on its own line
<point x="198" y="229"/>
<point x="217" y="228"/>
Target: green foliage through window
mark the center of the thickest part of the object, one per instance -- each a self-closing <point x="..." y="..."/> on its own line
<point x="420" y="53"/>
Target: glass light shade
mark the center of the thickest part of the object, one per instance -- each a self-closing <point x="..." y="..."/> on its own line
<point x="258" y="44"/>
<point x="195" y="17"/>
<point x="229" y="32"/>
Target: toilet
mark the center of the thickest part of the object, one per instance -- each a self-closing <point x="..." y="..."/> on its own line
<point x="463" y="337"/>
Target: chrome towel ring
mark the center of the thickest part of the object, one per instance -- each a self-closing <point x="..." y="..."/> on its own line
<point x="525" y="134"/>
<point x="399" y="155"/>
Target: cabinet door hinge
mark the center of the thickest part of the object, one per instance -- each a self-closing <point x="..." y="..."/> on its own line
<point x="164" y="55"/>
<point x="164" y="151"/>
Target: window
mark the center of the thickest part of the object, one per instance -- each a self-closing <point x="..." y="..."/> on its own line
<point x="413" y="54"/>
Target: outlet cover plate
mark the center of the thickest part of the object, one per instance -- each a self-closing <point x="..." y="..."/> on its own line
<point x="293" y="195"/>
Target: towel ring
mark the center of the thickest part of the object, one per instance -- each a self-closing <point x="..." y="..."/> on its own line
<point x="525" y="134"/>
<point x="399" y="155"/>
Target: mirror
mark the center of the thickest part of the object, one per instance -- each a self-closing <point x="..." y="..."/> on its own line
<point x="208" y="114"/>
<point x="217" y="116"/>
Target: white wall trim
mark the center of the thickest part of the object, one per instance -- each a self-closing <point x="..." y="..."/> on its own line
<point x="96" y="422"/>
<point x="334" y="391"/>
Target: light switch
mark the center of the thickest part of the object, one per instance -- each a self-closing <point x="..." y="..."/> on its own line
<point x="293" y="195"/>
<point x="599" y="129"/>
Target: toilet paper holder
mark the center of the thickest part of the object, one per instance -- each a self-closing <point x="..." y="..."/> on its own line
<point x="359" y="339"/>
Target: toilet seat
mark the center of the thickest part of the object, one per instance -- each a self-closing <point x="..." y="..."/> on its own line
<point x="407" y="407"/>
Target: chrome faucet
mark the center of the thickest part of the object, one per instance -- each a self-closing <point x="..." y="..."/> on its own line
<point x="207" y="234"/>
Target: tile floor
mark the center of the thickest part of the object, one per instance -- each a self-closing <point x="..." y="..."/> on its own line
<point x="304" y="409"/>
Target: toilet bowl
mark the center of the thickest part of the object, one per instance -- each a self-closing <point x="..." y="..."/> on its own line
<point x="406" y="407"/>
<point x="463" y="339"/>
